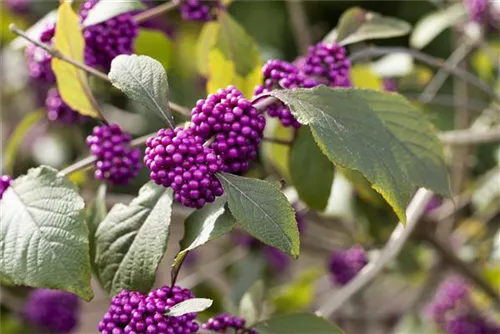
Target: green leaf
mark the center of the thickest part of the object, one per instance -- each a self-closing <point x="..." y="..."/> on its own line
<point x="107" y="9"/>
<point x="431" y="25"/>
<point x="246" y="272"/>
<point x="204" y="45"/>
<point x="96" y="213"/>
<point x="357" y="25"/>
<point x="378" y="134"/>
<point x="297" y="323"/>
<point x="252" y="303"/>
<point x="132" y="240"/>
<point x="263" y="211"/>
<point x="44" y="240"/>
<point x="310" y="170"/>
<point x="155" y="44"/>
<point x="143" y="79"/>
<point x="193" y="305"/>
<point x="208" y="223"/>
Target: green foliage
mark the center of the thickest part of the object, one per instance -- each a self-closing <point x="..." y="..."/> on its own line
<point x="44" y="240"/>
<point x="143" y="79"/>
<point x="378" y="134"/>
<point x="96" y="213"/>
<point x="189" y="306"/>
<point x="252" y="303"/>
<point x="310" y="170"/>
<point x="263" y="211"/>
<point x="247" y="272"/>
<point x="105" y="10"/>
<point x="155" y="44"/>
<point x="205" y="43"/>
<point x="297" y="323"/>
<point x="132" y="240"/>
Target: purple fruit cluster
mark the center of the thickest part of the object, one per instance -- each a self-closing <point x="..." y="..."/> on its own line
<point x="178" y="159"/>
<point x="59" y="111"/>
<point x="5" y="182"/>
<point x="200" y="10"/>
<point x="39" y="60"/>
<point x="53" y="310"/>
<point x="328" y="64"/>
<point x="106" y="40"/>
<point x="454" y="312"/>
<point x="390" y="84"/>
<point x="132" y="312"/>
<point x="477" y="9"/>
<point x="117" y="162"/>
<point x="18" y="6"/>
<point x="345" y="264"/>
<point x="225" y="323"/>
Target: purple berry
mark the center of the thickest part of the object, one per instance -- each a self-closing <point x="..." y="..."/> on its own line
<point x="328" y="64"/>
<point x="39" y="60"/>
<point x="200" y="10"/>
<point x="390" y="85"/>
<point x="345" y="264"/>
<point x="59" y="111"/>
<point x="18" y="6"/>
<point x="225" y="323"/>
<point x="477" y="9"/>
<point x="117" y="162"/>
<point x="5" y="182"/>
<point x="54" y="310"/>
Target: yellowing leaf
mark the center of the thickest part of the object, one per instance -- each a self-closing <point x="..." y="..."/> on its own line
<point x="221" y="71"/>
<point x="363" y="76"/>
<point x="206" y="41"/>
<point x="277" y="155"/>
<point x="483" y="61"/>
<point x="71" y="81"/>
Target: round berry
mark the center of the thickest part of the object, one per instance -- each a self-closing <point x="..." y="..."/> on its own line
<point x="39" y="60"/>
<point x="200" y="10"/>
<point x="59" y="111"/>
<point x="225" y="323"/>
<point x="5" y="182"/>
<point x="345" y="264"/>
<point x="390" y="85"/>
<point x="328" y="64"/>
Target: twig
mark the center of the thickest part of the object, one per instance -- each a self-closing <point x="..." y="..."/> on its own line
<point x="299" y="25"/>
<point x="155" y="11"/>
<point x="396" y="242"/>
<point x="470" y="136"/>
<point x="429" y="60"/>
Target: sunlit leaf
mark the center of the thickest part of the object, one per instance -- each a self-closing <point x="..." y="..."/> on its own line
<point x="155" y="44"/>
<point x="363" y="76"/>
<point x="204" y="45"/>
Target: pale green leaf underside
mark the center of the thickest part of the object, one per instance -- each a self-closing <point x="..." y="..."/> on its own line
<point x="132" y="240"/>
<point x="107" y="9"/>
<point x="297" y="323"/>
<point x="263" y="211"/>
<point x="252" y="303"/>
<point x="378" y="134"/>
<point x="44" y="239"/>
<point x="193" y="305"/>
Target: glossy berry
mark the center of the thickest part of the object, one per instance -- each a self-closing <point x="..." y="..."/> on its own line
<point x="328" y="64"/>
<point x="390" y="85"/>
<point x="53" y="310"/>
<point x="59" y="111"/>
<point x="233" y="126"/>
<point x="200" y="10"/>
<point x="117" y="162"/>
<point x="178" y="159"/>
<point x="345" y="264"/>
<point x="5" y="182"/>
<point x="106" y="40"/>
<point x="39" y="60"/>
<point x="225" y="323"/>
<point x="133" y="312"/>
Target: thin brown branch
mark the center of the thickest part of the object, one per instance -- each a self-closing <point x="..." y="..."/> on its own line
<point x="156" y="11"/>
<point x="299" y="25"/>
<point x="470" y="136"/>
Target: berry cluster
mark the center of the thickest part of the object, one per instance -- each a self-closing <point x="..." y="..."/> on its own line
<point x="39" y="60"/>
<point x="345" y="264"/>
<point x="225" y="323"/>
<point x="132" y="312"/>
<point x="484" y="12"/>
<point x="106" y="40"/>
<point x="18" y="6"/>
<point x="390" y="85"/>
<point x="454" y="312"/>
<point x="116" y="162"/>
<point x="58" y="110"/>
<point x="200" y="10"/>
<point x="178" y="159"/>
<point x="328" y="64"/>
<point x="54" y="310"/>
<point x="5" y="182"/>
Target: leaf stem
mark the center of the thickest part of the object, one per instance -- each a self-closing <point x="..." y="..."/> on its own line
<point x="155" y="11"/>
<point x="176" y="268"/>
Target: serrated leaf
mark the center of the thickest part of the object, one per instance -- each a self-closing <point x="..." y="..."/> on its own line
<point x="263" y="211"/>
<point x="252" y="303"/>
<point x="96" y="213"/>
<point x="193" y="305"/>
<point x="358" y="24"/>
<point x="431" y="25"/>
<point x="143" y="79"/>
<point x="72" y="82"/>
<point x="132" y="240"/>
<point x="44" y="240"/>
<point x="310" y="170"/>
<point x="208" y="223"/>
<point x="204" y="45"/>
<point x="297" y="323"/>
<point x="378" y="134"/>
<point x="33" y="31"/>
<point x="155" y="44"/>
<point x="106" y="9"/>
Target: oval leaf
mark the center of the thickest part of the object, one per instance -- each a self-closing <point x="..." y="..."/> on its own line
<point x="263" y="211"/>
<point x="143" y="79"/>
<point x="357" y="25"/>
<point x="155" y="44"/>
<point x="310" y="170"/>
<point x="193" y="305"/>
<point x="297" y="323"/>
<point x="44" y="240"/>
<point x="378" y="134"/>
<point x="106" y="9"/>
<point x="72" y="82"/>
<point x="131" y="241"/>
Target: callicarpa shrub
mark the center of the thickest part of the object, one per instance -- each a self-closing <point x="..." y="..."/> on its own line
<point x="214" y="142"/>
